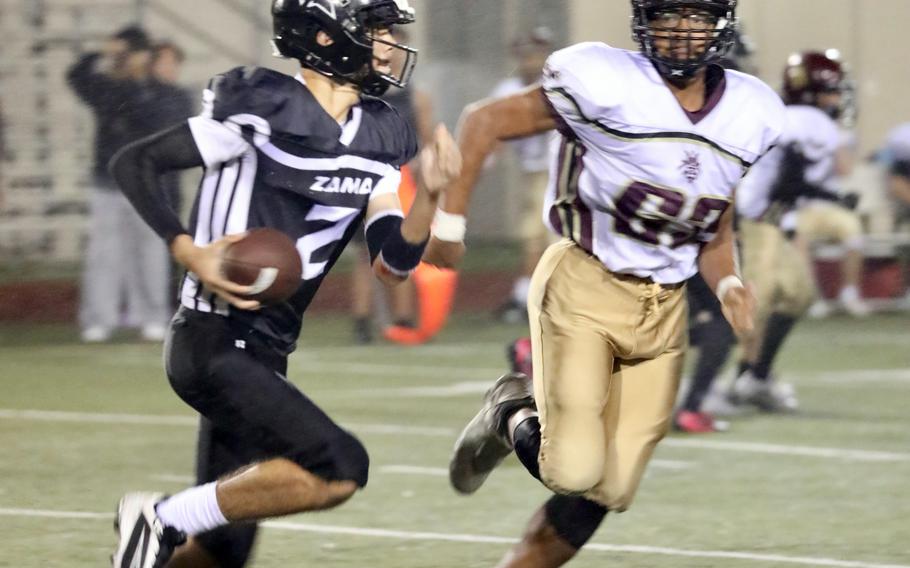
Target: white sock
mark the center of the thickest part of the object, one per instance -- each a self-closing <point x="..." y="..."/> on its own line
<point x="521" y="289"/>
<point x="192" y="511"/>
<point x="849" y="294"/>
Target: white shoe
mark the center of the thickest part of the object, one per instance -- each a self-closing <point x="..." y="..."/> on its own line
<point x="768" y="395"/>
<point x="96" y="334"/>
<point x="820" y="310"/>
<point x="855" y="307"/>
<point x="154" y="332"/>
<point x="717" y="403"/>
<point x="144" y="541"/>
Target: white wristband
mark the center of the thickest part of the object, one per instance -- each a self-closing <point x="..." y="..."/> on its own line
<point x="726" y="284"/>
<point x="449" y="227"/>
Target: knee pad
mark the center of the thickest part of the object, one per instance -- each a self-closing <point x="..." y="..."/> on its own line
<point x="230" y="545"/>
<point x="575" y="519"/>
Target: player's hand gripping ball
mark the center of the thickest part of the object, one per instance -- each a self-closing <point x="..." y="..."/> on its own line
<point x="268" y="262"/>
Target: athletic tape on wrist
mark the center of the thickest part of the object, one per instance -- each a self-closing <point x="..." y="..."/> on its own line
<point x="449" y="227"/>
<point x="726" y="284"/>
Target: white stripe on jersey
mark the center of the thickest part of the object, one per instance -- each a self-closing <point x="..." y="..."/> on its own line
<point x="351" y="127"/>
<point x="326" y="164"/>
<point x="224" y="207"/>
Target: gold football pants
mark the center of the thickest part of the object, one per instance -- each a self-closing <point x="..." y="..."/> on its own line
<point x="608" y="353"/>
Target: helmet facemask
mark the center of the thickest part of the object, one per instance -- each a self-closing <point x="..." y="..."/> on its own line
<point x="384" y="17"/>
<point x="401" y="63"/>
<point x="682" y="37"/>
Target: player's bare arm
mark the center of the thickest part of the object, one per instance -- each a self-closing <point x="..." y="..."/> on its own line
<point x="717" y="265"/>
<point x="440" y="163"/>
<point x="483" y="125"/>
<point x="137" y="169"/>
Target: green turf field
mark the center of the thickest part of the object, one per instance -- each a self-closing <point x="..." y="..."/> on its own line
<point x="80" y="425"/>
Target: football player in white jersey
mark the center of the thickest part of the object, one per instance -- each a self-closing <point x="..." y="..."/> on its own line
<point x="804" y="167"/>
<point x="821" y="79"/>
<point x="897" y="155"/>
<point x="654" y="143"/>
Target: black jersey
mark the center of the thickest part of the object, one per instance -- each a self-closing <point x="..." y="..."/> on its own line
<point x="274" y="158"/>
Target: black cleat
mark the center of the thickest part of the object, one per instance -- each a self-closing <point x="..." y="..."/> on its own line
<point x="484" y="443"/>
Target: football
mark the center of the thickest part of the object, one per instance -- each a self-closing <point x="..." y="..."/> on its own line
<point x="266" y="260"/>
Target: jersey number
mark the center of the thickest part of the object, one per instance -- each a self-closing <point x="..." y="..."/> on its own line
<point x="662" y="216"/>
<point x="337" y="220"/>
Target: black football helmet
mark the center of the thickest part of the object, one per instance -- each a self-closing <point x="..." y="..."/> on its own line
<point x="350" y="24"/>
<point x="720" y="39"/>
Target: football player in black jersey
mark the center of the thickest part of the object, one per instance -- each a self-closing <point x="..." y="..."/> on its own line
<point x="311" y="156"/>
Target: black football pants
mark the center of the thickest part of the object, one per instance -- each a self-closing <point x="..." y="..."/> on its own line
<point x="250" y="413"/>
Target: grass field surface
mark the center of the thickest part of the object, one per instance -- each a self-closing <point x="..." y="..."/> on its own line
<point x="830" y="486"/>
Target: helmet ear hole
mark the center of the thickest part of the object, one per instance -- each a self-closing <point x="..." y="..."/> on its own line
<point x="324" y="39"/>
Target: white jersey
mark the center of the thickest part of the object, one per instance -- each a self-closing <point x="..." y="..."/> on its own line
<point x="534" y="151"/>
<point x="814" y="135"/>
<point x="898" y="144"/>
<point x="640" y="182"/>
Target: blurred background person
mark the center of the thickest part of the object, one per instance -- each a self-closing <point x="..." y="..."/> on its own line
<point x="897" y="161"/>
<point x="125" y="265"/>
<point x="2" y="152"/>
<point x="530" y="52"/>
<point x="173" y="104"/>
<point x="805" y="166"/>
<point x="897" y="152"/>
<point x="829" y="216"/>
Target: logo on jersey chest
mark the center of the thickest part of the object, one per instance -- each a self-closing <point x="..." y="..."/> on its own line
<point x="336" y="184"/>
<point x="691" y="167"/>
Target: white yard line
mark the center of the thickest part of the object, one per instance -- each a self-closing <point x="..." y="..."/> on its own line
<point x="466" y="388"/>
<point x="781" y="449"/>
<point x="97" y="418"/>
<point x="414" y="470"/>
<point x="451" y="372"/>
<point x="442" y="432"/>
<point x="433" y="432"/>
<point x="164" y="420"/>
<point x="674" y="465"/>
<point x="486" y="375"/>
<point x="173" y="478"/>
<point x="862" y="376"/>
<point x="390" y="534"/>
<point x="452" y="349"/>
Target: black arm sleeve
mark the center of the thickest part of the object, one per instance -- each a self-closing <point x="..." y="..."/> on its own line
<point x="791" y="182"/>
<point x="137" y="169"/>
